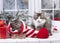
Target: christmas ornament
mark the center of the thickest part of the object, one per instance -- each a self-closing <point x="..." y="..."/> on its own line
<point x="2" y="22"/>
<point x="43" y="33"/>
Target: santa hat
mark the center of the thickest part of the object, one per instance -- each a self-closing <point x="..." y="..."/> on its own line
<point x="43" y="33"/>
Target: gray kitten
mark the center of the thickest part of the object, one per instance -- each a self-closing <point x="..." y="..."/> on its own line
<point x="16" y="24"/>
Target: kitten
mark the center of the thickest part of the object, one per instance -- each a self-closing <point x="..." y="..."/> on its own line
<point x="38" y="20"/>
<point x="41" y="20"/>
<point x="16" y="25"/>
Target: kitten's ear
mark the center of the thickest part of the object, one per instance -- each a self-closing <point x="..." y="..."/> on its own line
<point x="17" y="13"/>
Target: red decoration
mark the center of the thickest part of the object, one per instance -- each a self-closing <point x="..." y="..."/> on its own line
<point x="2" y="22"/>
<point x="43" y="33"/>
<point x="3" y="30"/>
<point x="57" y="19"/>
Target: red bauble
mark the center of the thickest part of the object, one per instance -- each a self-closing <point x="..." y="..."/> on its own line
<point x="43" y="33"/>
<point x="2" y="23"/>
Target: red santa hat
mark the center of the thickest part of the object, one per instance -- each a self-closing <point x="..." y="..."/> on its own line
<point x="43" y="33"/>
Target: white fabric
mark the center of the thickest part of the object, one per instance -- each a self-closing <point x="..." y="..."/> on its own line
<point x="51" y="39"/>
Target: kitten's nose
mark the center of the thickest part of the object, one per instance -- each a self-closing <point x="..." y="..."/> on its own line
<point x="13" y="29"/>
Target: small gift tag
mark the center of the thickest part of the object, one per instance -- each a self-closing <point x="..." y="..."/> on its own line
<point x="55" y="26"/>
